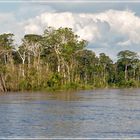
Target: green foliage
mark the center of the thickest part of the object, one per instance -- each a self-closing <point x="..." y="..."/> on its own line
<point x="59" y="60"/>
<point x="128" y="84"/>
<point x="6" y="41"/>
<point x="54" y="81"/>
<point x="32" y="38"/>
<point x="24" y="85"/>
<point x="70" y="86"/>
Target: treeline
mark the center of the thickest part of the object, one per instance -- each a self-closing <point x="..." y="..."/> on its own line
<point x="58" y="59"/>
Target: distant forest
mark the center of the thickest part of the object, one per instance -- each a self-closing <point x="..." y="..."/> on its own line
<point x="59" y="60"/>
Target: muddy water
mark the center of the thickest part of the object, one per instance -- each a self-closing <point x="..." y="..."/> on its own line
<point x="113" y="113"/>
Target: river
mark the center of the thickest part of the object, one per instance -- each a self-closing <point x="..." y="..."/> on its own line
<point x="108" y="113"/>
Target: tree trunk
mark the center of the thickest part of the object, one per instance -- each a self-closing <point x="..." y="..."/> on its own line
<point x="23" y="71"/>
<point x="29" y="60"/>
<point x="58" y="59"/>
<point x="126" y="72"/>
<point x="134" y="76"/>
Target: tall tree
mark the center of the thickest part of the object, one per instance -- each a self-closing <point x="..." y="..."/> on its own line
<point x="64" y="44"/>
<point x="105" y="63"/>
<point x="6" y="46"/>
<point x="126" y="58"/>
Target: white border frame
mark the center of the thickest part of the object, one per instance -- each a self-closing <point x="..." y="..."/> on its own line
<point x="70" y="1"/>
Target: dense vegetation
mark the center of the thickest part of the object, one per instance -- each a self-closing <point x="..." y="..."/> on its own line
<point x="58" y="59"/>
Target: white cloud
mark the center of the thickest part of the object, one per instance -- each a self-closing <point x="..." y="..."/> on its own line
<point x="32" y="28"/>
<point x="124" y="43"/>
<point x="9" y="24"/>
<point x="108" y="26"/>
<point x="109" y="31"/>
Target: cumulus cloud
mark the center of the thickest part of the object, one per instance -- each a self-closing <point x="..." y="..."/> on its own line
<point x="110" y="26"/>
<point x="9" y="24"/>
<point x="109" y="31"/>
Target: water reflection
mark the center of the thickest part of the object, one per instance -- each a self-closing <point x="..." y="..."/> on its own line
<point x="98" y="113"/>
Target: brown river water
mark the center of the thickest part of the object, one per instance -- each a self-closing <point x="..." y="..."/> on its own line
<point x="107" y="113"/>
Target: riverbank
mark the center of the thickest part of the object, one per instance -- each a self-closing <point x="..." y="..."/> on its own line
<point x="47" y="62"/>
<point x="71" y="87"/>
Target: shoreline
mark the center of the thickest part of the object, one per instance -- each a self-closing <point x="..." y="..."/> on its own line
<point x="52" y="91"/>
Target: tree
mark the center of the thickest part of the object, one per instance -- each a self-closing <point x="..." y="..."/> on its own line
<point x="59" y="59"/>
<point x="87" y="61"/>
<point x="106" y="65"/>
<point x="63" y="43"/>
<point x="30" y="48"/>
<point x="6" y="47"/>
<point x="126" y="58"/>
<point x="34" y="48"/>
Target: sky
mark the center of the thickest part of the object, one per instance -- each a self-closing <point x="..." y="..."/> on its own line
<point x="108" y="26"/>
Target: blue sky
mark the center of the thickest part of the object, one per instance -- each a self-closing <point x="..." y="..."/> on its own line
<point x="108" y="26"/>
